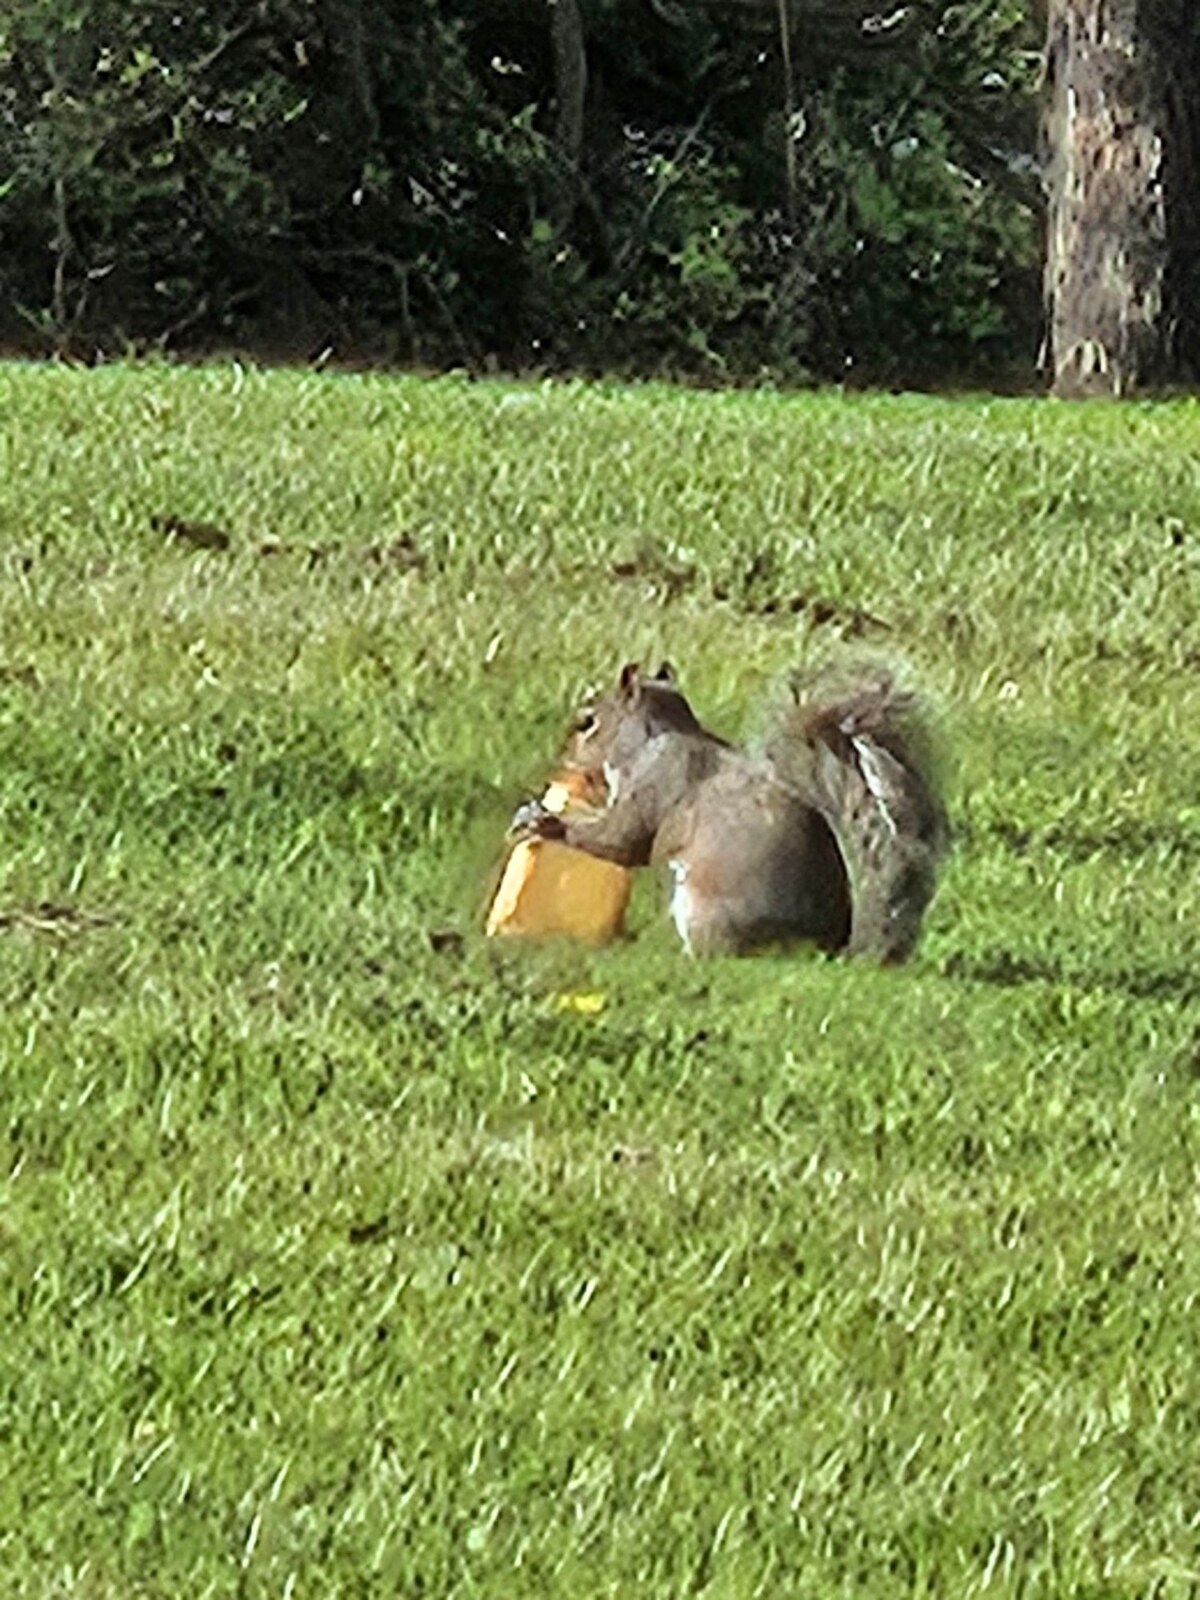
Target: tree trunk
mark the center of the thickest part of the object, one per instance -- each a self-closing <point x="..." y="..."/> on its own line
<point x="570" y="93"/>
<point x="1124" y="193"/>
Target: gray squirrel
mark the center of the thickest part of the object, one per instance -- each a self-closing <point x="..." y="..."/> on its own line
<point x="832" y="833"/>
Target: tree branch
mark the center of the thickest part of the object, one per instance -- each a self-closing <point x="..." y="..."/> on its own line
<point x="789" y="110"/>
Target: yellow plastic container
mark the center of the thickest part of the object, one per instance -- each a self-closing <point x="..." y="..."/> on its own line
<point x="549" y="889"/>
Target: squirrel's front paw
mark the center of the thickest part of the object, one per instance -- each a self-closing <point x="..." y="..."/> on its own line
<point x="524" y="820"/>
<point x="533" y="821"/>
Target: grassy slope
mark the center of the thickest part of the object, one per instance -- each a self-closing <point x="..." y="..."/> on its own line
<point x="337" y="1265"/>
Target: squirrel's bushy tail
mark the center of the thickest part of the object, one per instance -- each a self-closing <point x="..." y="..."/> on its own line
<point x="857" y="746"/>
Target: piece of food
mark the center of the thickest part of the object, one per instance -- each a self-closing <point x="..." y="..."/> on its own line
<point x="549" y="889"/>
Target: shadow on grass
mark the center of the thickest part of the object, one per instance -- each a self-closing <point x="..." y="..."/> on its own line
<point x="1007" y="970"/>
<point x="1124" y="837"/>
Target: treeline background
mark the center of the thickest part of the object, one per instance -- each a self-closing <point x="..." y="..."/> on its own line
<point x="819" y="188"/>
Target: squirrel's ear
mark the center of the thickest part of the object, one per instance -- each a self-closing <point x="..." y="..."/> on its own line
<point x="630" y="682"/>
<point x="665" y="673"/>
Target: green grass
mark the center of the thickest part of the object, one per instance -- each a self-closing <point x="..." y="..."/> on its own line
<point x="336" y="1264"/>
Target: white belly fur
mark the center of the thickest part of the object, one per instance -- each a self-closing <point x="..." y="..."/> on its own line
<point x="681" y="904"/>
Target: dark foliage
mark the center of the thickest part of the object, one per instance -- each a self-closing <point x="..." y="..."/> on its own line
<point x="635" y="184"/>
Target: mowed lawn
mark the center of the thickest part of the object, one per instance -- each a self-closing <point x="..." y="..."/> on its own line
<point x="345" y="1253"/>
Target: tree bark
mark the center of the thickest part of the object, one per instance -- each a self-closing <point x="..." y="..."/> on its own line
<point x="1123" y="193"/>
<point x="570" y="93"/>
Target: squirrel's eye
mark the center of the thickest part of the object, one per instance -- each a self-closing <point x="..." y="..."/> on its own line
<point x="585" y="723"/>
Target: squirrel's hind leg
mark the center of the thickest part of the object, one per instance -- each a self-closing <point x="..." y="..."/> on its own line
<point x="703" y="927"/>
